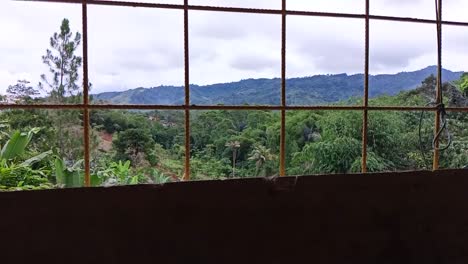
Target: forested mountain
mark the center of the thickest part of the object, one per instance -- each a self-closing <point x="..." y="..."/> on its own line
<point x="43" y="148"/>
<point x="311" y="90"/>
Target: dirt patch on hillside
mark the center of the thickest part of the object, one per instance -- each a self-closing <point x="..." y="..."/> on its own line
<point x="105" y="142"/>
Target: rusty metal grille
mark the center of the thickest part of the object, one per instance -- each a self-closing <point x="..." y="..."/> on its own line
<point x="283" y="107"/>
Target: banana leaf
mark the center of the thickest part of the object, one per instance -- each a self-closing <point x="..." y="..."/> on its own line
<point x="17" y="144"/>
<point x="36" y="159"/>
<point x="66" y="177"/>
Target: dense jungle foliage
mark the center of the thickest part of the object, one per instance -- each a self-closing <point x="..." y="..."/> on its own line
<point x="43" y="148"/>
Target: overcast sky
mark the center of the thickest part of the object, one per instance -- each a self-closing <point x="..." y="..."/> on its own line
<point x="142" y="47"/>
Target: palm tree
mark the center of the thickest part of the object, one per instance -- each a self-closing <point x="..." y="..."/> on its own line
<point x="233" y="145"/>
<point x="261" y="155"/>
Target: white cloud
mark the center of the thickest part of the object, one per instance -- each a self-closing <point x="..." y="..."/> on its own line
<point x="394" y="46"/>
<point x="314" y="45"/>
<point x="413" y="8"/>
<point x="134" y="47"/>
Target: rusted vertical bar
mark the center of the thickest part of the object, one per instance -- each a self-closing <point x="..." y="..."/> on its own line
<point x="365" y="117"/>
<point x="435" y="161"/>
<point x="439" y="100"/>
<point x="87" y="180"/>
<point x="187" y="93"/>
<point x="87" y="169"/>
<point x="283" y="92"/>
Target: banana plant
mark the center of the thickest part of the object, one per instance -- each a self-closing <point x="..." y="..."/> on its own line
<point x="29" y="162"/>
<point x="118" y="173"/>
<point x="68" y="177"/>
<point x="3" y="134"/>
<point x="17" y="143"/>
<point x="158" y="177"/>
<point x="16" y="146"/>
<point x="21" y="175"/>
<point x="122" y="172"/>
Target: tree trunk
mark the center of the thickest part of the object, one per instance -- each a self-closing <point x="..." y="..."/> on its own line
<point x="233" y="163"/>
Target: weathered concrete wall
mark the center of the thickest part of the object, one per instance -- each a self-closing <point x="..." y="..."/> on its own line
<point x="395" y="218"/>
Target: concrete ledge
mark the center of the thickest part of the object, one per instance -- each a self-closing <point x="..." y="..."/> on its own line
<point x="410" y="217"/>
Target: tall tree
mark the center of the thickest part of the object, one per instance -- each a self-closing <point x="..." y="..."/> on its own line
<point x="462" y="84"/>
<point x="261" y="155"/>
<point x="63" y="64"/>
<point x="21" y="92"/>
<point x="233" y="146"/>
<point x="134" y="144"/>
<point x="62" y="86"/>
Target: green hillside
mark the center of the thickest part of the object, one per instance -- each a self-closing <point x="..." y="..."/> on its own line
<point x="318" y="89"/>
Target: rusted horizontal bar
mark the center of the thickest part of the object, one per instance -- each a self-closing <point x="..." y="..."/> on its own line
<point x="252" y="10"/>
<point x="403" y="19"/>
<point x="455" y="23"/>
<point x="323" y="14"/>
<point x="42" y="106"/>
<point x="54" y="1"/>
<point x="228" y="107"/>
<point x="288" y="108"/>
<point x="135" y="4"/>
<point x="456" y="109"/>
<point x="91" y="106"/>
<point x="400" y="108"/>
<point x="110" y="3"/>
<point x="235" y="9"/>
